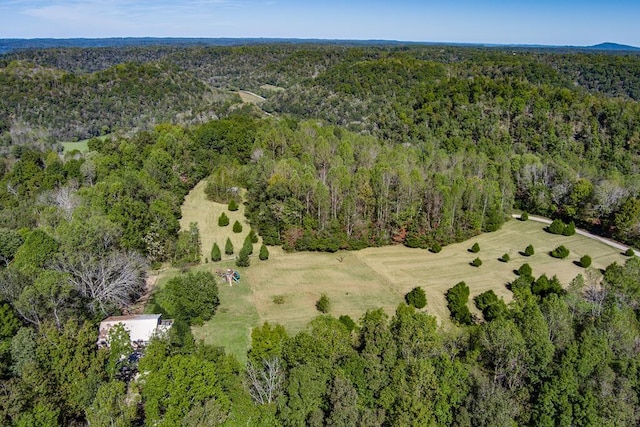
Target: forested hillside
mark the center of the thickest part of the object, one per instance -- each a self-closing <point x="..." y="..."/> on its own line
<point x="353" y="147"/>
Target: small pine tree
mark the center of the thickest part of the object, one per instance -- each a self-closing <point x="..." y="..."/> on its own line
<point x="475" y="248"/>
<point x="233" y="205"/>
<point x="435" y="248"/>
<point x="237" y="227"/>
<point x="529" y="250"/>
<point x="254" y="236"/>
<point x="416" y="298"/>
<point x="228" y="247"/>
<point x="629" y="252"/>
<point x="248" y="245"/>
<point x="243" y="259"/>
<point x="264" y="253"/>
<point x="505" y="258"/>
<point x="524" y="216"/>
<point x="223" y="220"/>
<point x="323" y="305"/>
<point x="525" y="270"/>
<point x="585" y="261"/>
<point x="215" y="253"/>
<point x="476" y="262"/>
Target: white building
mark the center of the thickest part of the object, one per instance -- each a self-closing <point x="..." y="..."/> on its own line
<point x="140" y="327"/>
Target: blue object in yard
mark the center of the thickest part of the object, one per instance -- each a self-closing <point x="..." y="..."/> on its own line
<point x="236" y="276"/>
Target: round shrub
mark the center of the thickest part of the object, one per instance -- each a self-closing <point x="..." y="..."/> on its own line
<point x="560" y="252"/>
<point x="585" y="261"/>
<point x="416" y="298"/>
<point x="233" y="205"/>
<point x="529" y="250"/>
<point x="323" y="305"/>
<point x="475" y="248"/>
<point x="524" y="216"/>
<point x="505" y="258"/>
<point x="476" y="262"/>
<point x="569" y="229"/>
<point x="629" y="252"/>
<point x="435" y="248"/>
<point x="237" y="227"/>
<point x="556" y="227"/>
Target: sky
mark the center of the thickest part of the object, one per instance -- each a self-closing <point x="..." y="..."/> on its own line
<point x="546" y="22"/>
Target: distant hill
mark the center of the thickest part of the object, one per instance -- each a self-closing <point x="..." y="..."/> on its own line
<point x="612" y="46"/>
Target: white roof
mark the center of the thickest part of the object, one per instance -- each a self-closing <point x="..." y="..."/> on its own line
<point x="140" y="327"/>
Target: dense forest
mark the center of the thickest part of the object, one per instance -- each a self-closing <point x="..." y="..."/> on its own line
<point x="353" y="147"/>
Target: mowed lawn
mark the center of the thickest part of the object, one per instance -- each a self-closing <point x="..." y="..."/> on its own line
<point x="371" y="278"/>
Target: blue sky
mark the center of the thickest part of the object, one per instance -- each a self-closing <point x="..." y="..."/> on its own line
<point x="559" y="22"/>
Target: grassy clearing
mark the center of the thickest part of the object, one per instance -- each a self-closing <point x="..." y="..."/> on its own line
<point x="197" y="208"/>
<point x="250" y="97"/>
<point x="81" y="146"/>
<point x="370" y="278"/>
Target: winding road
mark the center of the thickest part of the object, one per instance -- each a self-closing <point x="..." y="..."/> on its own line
<point x="607" y="242"/>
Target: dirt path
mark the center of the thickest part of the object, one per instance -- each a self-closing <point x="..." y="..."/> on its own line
<point x="607" y="242"/>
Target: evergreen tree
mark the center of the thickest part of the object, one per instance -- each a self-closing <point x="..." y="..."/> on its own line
<point x="264" y="253"/>
<point x="237" y="227"/>
<point x="223" y="220"/>
<point x="215" y="253"/>
<point x="243" y="258"/>
<point x="233" y="205"/>
<point x="228" y="247"/>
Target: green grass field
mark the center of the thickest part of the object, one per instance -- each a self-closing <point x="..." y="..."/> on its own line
<point x="371" y="278"/>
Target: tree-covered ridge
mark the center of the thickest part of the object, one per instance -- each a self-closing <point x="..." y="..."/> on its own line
<point x="67" y="106"/>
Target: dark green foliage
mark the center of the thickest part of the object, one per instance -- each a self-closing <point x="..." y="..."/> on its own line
<point x="416" y="297"/>
<point x="560" y="252"/>
<point x="435" y="247"/>
<point x="233" y="205"/>
<point x="10" y="242"/>
<point x="629" y="252"/>
<point x="505" y="258"/>
<point x="192" y="298"/>
<point x="556" y="227"/>
<point x="188" y="246"/>
<point x="264" y="253"/>
<point x="524" y="216"/>
<point x="37" y="250"/>
<point x="248" y="244"/>
<point x="237" y="227"/>
<point x="216" y="255"/>
<point x="477" y="262"/>
<point x="253" y="236"/>
<point x="228" y="247"/>
<point x="457" y="298"/>
<point x="348" y="322"/>
<point x="585" y="261"/>
<point x="525" y="270"/>
<point x="490" y="305"/>
<point x="475" y="248"/>
<point x="323" y="304"/>
<point x="544" y="286"/>
<point x="529" y="250"/>
<point x="569" y="229"/>
<point x="243" y="258"/>
<point x="223" y="220"/>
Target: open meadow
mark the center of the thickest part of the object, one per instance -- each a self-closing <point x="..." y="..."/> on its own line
<point x="285" y="288"/>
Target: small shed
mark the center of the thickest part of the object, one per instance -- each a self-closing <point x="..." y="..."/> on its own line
<point x="141" y="328"/>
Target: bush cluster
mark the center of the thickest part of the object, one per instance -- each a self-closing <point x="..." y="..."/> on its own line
<point x="559" y="227"/>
